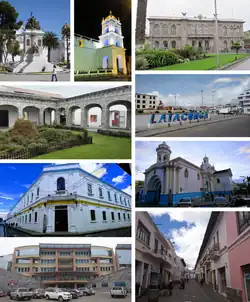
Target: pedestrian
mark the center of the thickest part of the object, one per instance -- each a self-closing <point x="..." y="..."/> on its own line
<point x="170" y="287"/>
<point x="54" y="74"/>
<point x="202" y="281"/>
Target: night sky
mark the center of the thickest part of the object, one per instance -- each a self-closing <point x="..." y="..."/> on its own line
<point x="89" y="14"/>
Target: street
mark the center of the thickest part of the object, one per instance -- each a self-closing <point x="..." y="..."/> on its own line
<point x="104" y="296"/>
<point x="10" y="232"/>
<point x="239" y="127"/>
<point x="193" y="292"/>
<point x="245" y="65"/>
<point x="62" y="77"/>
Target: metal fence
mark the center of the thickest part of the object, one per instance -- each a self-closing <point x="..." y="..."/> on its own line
<point x="44" y="149"/>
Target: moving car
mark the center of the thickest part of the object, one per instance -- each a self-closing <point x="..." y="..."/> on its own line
<point x="221" y="201"/>
<point x="21" y="294"/>
<point x="185" y="202"/>
<point x="118" y="292"/>
<point x="57" y="294"/>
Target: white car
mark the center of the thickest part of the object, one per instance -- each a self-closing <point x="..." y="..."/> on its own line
<point x="221" y="201"/>
<point x="185" y="202"/>
<point x="118" y="292"/>
<point x="57" y="294"/>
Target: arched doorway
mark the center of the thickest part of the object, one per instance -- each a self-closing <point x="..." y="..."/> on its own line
<point x="49" y="116"/>
<point x="31" y="113"/>
<point x="119" y="114"/>
<point x="105" y="62"/>
<point x="119" y="64"/>
<point x="153" y="190"/>
<point x="74" y="116"/>
<point x="62" y="116"/>
<point x="8" y="116"/>
<point x="93" y="116"/>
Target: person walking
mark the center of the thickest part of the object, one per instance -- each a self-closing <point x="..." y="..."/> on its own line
<point x="54" y="74"/>
<point x="202" y="281"/>
<point x="170" y="287"/>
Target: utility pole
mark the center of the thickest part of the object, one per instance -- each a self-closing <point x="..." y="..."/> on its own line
<point x="201" y="97"/>
<point x="216" y="34"/>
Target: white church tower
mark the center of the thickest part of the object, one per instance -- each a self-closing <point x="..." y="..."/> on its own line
<point x="163" y="153"/>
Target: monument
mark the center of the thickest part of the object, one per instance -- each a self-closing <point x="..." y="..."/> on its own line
<point x="33" y="58"/>
<point x="141" y="22"/>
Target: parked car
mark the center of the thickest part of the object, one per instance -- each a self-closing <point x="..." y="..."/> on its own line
<point x="73" y="292"/>
<point x="38" y="293"/>
<point x="221" y="201"/>
<point x="185" y="202"/>
<point x="57" y="294"/>
<point x="85" y="291"/>
<point x="21" y="294"/>
<point x="118" y="292"/>
<point x="3" y="294"/>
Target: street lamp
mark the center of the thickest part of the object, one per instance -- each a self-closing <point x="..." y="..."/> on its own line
<point x="213" y="91"/>
<point x="175" y="97"/>
<point x="216" y="34"/>
<point x="202" y="98"/>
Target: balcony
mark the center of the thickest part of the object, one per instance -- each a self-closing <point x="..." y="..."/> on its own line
<point x="159" y="255"/>
<point x="206" y="260"/>
<point x="215" y="252"/>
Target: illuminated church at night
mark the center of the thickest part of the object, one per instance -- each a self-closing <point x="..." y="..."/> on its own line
<point x="106" y="55"/>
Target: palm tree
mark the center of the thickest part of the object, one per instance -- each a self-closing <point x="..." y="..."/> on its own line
<point x="66" y="35"/>
<point x="51" y="41"/>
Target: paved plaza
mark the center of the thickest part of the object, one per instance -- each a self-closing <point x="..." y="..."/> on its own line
<point x="245" y="65"/>
<point x="62" y="77"/>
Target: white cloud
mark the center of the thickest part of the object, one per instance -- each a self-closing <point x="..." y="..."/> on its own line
<point x="119" y="179"/>
<point x="6" y="197"/>
<point x="187" y="240"/>
<point x="128" y="190"/>
<point x="15" y="242"/>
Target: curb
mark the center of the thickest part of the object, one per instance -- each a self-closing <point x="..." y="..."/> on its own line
<point x="225" y="67"/>
<point x="191" y="126"/>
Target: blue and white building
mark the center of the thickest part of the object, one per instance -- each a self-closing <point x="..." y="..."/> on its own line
<point x="244" y="100"/>
<point x="169" y="180"/>
<point x="66" y="198"/>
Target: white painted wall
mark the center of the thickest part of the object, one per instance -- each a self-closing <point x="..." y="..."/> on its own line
<point x="225" y="182"/>
<point x="190" y="184"/>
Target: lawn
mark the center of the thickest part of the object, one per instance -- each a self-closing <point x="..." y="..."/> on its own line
<point x="103" y="147"/>
<point x="205" y="64"/>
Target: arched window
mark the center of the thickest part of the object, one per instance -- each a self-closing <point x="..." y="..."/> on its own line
<point x="186" y="173"/>
<point x="225" y="30"/>
<point x="37" y="192"/>
<point x="106" y="30"/>
<point x="39" y="42"/>
<point x="60" y="184"/>
<point x="173" y="30"/>
<point x="225" y="44"/>
<point x="28" y="42"/>
<point x="165" y="43"/>
<point x="198" y="176"/>
<point x="165" y="29"/>
<point x="173" y="43"/>
<point x="218" y="181"/>
<point x="157" y="44"/>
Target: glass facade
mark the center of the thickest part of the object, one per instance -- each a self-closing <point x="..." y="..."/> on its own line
<point x="100" y="252"/>
<point x="28" y="252"/>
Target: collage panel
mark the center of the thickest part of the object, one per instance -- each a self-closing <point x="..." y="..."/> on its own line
<point x="35" y="45"/>
<point x="103" y="40"/>
<point x="65" y="122"/>
<point x="192" y="256"/>
<point x="65" y="269"/>
<point x="192" y="174"/>
<point x="188" y="36"/>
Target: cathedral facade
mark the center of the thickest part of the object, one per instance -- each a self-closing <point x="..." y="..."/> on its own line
<point x="169" y="180"/>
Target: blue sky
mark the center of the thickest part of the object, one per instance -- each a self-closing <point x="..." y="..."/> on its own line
<point x="188" y="88"/>
<point x="52" y="14"/>
<point x="221" y="154"/>
<point x="18" y="178"/>
<point x="184" y="229"/>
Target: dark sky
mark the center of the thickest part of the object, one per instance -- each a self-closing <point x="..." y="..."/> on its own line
<point x="89" y="14"/>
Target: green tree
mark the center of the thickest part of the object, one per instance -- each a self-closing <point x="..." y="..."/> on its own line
<point x="246" y="181"/>
<point x="13" y="48"/>
<point x="8" y="24"/>
<point x="51" y="41"/>
<point x="236" y="46"/>
<point x="66" y="35"/>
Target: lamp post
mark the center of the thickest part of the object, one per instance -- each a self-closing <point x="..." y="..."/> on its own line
<point x="216" y="34"/>
<point x="213" y="91"/>
<point x="175" y="98"/>
<point x="202" y="98"/>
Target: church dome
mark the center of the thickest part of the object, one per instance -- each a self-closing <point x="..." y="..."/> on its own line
<point x="163" y="146"/>
<point x="111" y="16"/>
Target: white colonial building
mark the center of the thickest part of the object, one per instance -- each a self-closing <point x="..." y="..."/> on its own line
<point x="66" y="198"/>
<point x="143" y="101"/>
<point x="156" y="259"/>
<point x="167" y="181"/>
<point x="244" y="100"/>
<point x="199" y="32"/>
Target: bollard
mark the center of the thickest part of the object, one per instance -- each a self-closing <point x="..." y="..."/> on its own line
<point x="189" y="121"/>
<point x="180" y="123"/>
<point x="168" y="124"/>
<point x="198" y="121"/>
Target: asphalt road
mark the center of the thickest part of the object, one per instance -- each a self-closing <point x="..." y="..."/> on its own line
<point x="62" y="77"/>
<point x="239" y="127"/>
<point x="245" y="65"/>
<point x="9" y="232"/>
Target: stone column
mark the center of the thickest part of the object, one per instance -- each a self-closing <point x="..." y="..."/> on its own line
<point x="174" y="182"/>
<point x="84" y="118"/>
<point x="128" y="125"/>
<point x="41" y="117"/>
<point x="20" y="113"/>
<point x="50" y="225"/>
<point x="139" y="273"/>
<point x="105" y="118"/>
<point x="57" y="117"/>
<point x="68" y="118"/>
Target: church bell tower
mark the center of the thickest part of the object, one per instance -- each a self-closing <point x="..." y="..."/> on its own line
<point x="163" y="153"/>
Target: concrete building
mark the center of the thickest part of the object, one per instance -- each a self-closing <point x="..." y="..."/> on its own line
<point x="144" y="101"/>
<point x="123" y="252"/>
<point x="199" y="32"/>
<point x="244" y="100"/>
<point x="66" y="198"/>
<point x="49" y="108"/>
<point x="156" y="260"/>
<point x="64" y="265"/>
<point x="104" y="55"/>
<point x="169" y="180"/>
<point x="223" y="260"/>
<point x="5" y="262"/>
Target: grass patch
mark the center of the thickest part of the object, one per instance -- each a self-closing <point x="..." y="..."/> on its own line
<point x="209" y="63"/>
<point x="82" y="78"/>
<point x="103" y="147"/>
